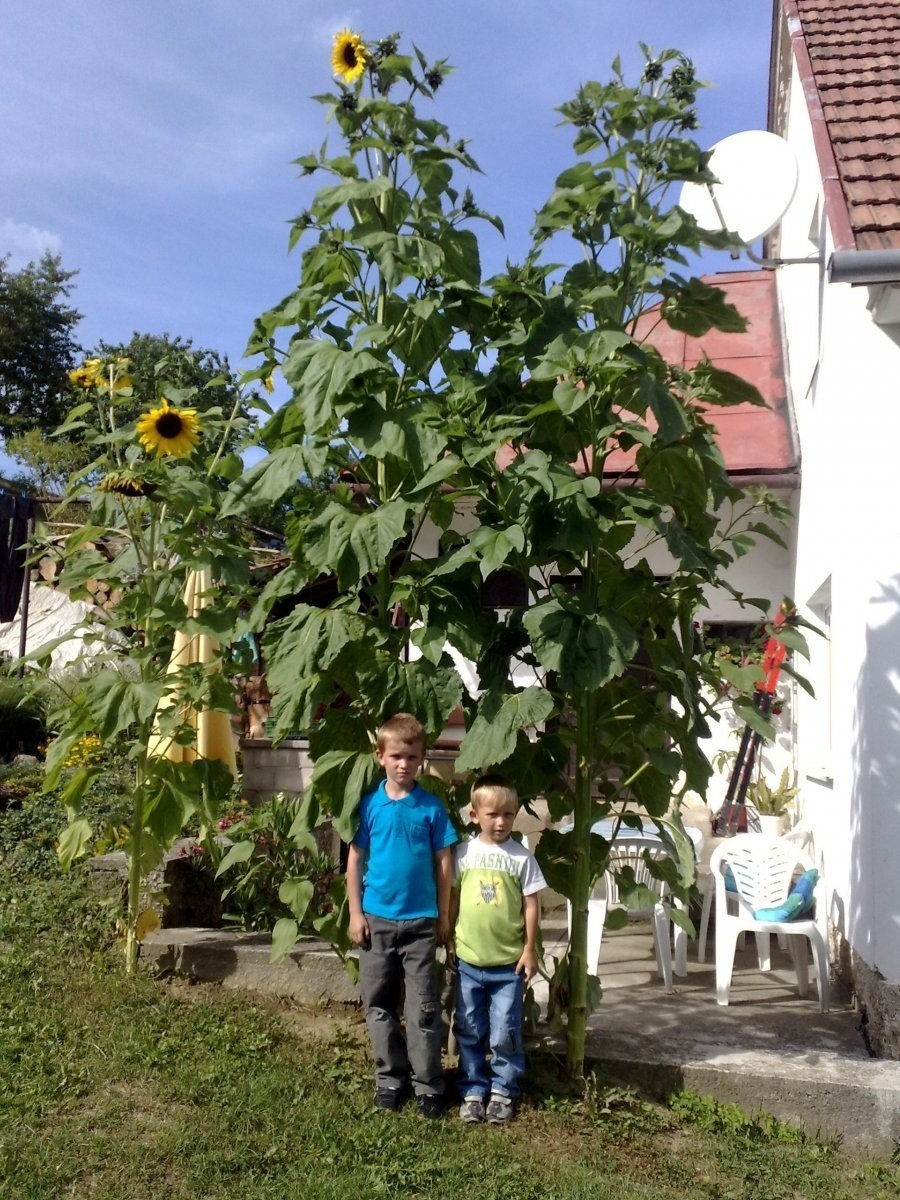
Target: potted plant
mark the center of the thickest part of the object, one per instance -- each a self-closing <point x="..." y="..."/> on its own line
<point x="769" y="804"/>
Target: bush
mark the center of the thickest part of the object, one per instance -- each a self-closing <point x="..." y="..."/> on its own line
<point x="23" y="715"/>
<point x="255" y="853"/>
<point x="31" y="821"/>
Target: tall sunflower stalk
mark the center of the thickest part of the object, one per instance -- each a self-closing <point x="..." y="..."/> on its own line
<point x="154" y="495"/>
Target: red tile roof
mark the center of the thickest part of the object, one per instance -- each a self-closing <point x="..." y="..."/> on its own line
<point x="756" y="443"/>
<point x="848" y="57"/>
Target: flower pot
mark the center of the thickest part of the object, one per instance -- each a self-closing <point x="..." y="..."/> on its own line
<point x="771" y="826"/>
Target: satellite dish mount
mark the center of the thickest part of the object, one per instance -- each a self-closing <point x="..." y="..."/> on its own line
<point x="756" y="175"/>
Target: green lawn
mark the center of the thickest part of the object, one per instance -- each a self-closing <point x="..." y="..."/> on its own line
<point x="119" y="1089"/>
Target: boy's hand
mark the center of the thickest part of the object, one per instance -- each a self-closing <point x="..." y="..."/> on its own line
<point x="443" y="931"/>
<point x="359" y="931"/>
<point x="528" y="964"/>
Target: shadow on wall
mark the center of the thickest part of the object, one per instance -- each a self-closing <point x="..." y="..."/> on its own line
<point x="873" y="918"/>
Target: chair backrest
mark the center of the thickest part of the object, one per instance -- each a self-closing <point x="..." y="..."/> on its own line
<point x="762" y="868"/>
<point x="630" y="852"/>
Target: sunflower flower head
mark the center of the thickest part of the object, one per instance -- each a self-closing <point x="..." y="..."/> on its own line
<point x="88" y="375"/>
<point x="126" y="483"/>
<point x="168" y="430"/>
<point x="348" y="56"/>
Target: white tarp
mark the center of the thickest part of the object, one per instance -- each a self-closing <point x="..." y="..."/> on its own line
<point x="51" y="615"/>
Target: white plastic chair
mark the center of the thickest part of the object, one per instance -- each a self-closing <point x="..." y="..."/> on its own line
<point x="629" y="852"/>
<point x="763" y="870"/>
<point x="801" y="835"/>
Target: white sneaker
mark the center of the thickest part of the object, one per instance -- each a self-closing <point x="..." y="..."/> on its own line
<point x="499" y="1109"/>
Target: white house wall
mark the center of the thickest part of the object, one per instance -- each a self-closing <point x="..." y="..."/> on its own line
<point x="844" y="371"/>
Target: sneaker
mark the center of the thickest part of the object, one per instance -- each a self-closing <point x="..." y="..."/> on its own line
<point x="390" y="1099"/>
<point x="500" y="1109"/>
<point x="430" y="1106"/>
<point x="472" y="1110"/>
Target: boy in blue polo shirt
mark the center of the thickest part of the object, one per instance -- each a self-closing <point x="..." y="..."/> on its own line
<point x="399" y="872"/>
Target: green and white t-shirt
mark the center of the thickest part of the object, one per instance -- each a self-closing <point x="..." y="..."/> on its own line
<point x="492" y="879"/>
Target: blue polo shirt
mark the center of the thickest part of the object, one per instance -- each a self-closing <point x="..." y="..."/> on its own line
<point x="400" y="839"/>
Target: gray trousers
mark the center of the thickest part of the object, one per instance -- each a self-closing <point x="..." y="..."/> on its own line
<point x="400" y="960"/>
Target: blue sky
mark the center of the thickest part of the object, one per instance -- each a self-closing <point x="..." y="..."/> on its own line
<point x="151" y="144"/>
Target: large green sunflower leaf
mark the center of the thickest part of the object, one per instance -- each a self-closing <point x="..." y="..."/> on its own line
<point x="462" y="261"/>
<point x="268" y="480"/>
<point x="432" y="692"/>
<point x="309" y="641"/>
<point x="297" y="894"/>
<point x="585" y="649"/>
<point x="73" y="841"/>
<point x="670" y="416"/>
<point x="491" y="738"/>
<point x="330" y="199"/>
<point x="284" y="935"/>
<point x="353" y="543"/>
<point x="116" y="703"/>
<point x="674" y="473"/>
<point x="340" y="777"/>
<point x="321" y="374"/>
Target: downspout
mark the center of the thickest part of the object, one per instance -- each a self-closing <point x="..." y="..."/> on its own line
<point x="877" y="269"/>
<point x="858" y="267"/>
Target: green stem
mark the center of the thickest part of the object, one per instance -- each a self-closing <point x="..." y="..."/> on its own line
<point x="134" y="869"/>
<point x="581" y="886"/>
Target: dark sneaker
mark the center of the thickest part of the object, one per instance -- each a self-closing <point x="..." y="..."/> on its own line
<point x="499" y="1110"/>
<point x="430" y="1106"/>
<point x="472" y="1110"/>
<point x="390" y="1099"/>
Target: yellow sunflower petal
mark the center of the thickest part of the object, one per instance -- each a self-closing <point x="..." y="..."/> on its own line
<point x="168" y="430"/>
<point x="348" y="56"/>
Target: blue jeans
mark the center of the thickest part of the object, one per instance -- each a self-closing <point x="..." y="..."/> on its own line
<point x="489" y="1018"/>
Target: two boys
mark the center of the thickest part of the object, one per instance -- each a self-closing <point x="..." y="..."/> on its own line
<point x="400" y="871"/>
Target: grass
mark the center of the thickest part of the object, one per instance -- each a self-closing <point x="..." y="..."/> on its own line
<point x="146" y="1088"/>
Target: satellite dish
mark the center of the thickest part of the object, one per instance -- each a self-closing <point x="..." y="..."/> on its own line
<point x="757" y="174"/>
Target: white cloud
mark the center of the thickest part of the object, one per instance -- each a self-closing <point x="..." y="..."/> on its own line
<point x="26" y="243"/>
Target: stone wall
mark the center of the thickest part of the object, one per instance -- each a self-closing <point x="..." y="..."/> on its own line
<point x="878" y="1002"/>
<point x="269" y="769"/>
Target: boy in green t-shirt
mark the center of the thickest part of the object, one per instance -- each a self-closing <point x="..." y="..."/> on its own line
<point x="495" y="911"/>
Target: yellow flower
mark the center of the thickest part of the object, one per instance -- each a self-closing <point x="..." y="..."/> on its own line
<point x="88" y="375"/>
<point x="168" y="430"/>
<point x="269" y="382"/>
<point x="348" y="56"/>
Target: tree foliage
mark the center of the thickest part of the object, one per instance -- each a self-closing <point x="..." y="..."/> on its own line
<point x="37" y="345"/>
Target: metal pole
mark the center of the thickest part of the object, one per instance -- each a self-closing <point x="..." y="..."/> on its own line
<point x="23" y="606"/>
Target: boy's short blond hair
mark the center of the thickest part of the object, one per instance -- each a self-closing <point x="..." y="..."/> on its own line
<point x="401" y="727"/>
<point x="493" y="787"/>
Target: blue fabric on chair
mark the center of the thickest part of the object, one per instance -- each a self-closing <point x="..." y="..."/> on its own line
<point x="798" y="902"/>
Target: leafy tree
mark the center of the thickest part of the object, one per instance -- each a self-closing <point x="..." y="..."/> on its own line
<point x="37" y="346"/>
<point x="490" y="414"/>
<point x="47" y="463"/>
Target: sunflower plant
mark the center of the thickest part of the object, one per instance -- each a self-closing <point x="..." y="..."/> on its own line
<point x="472" y="424"/>
<point x="154" y="493"/>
